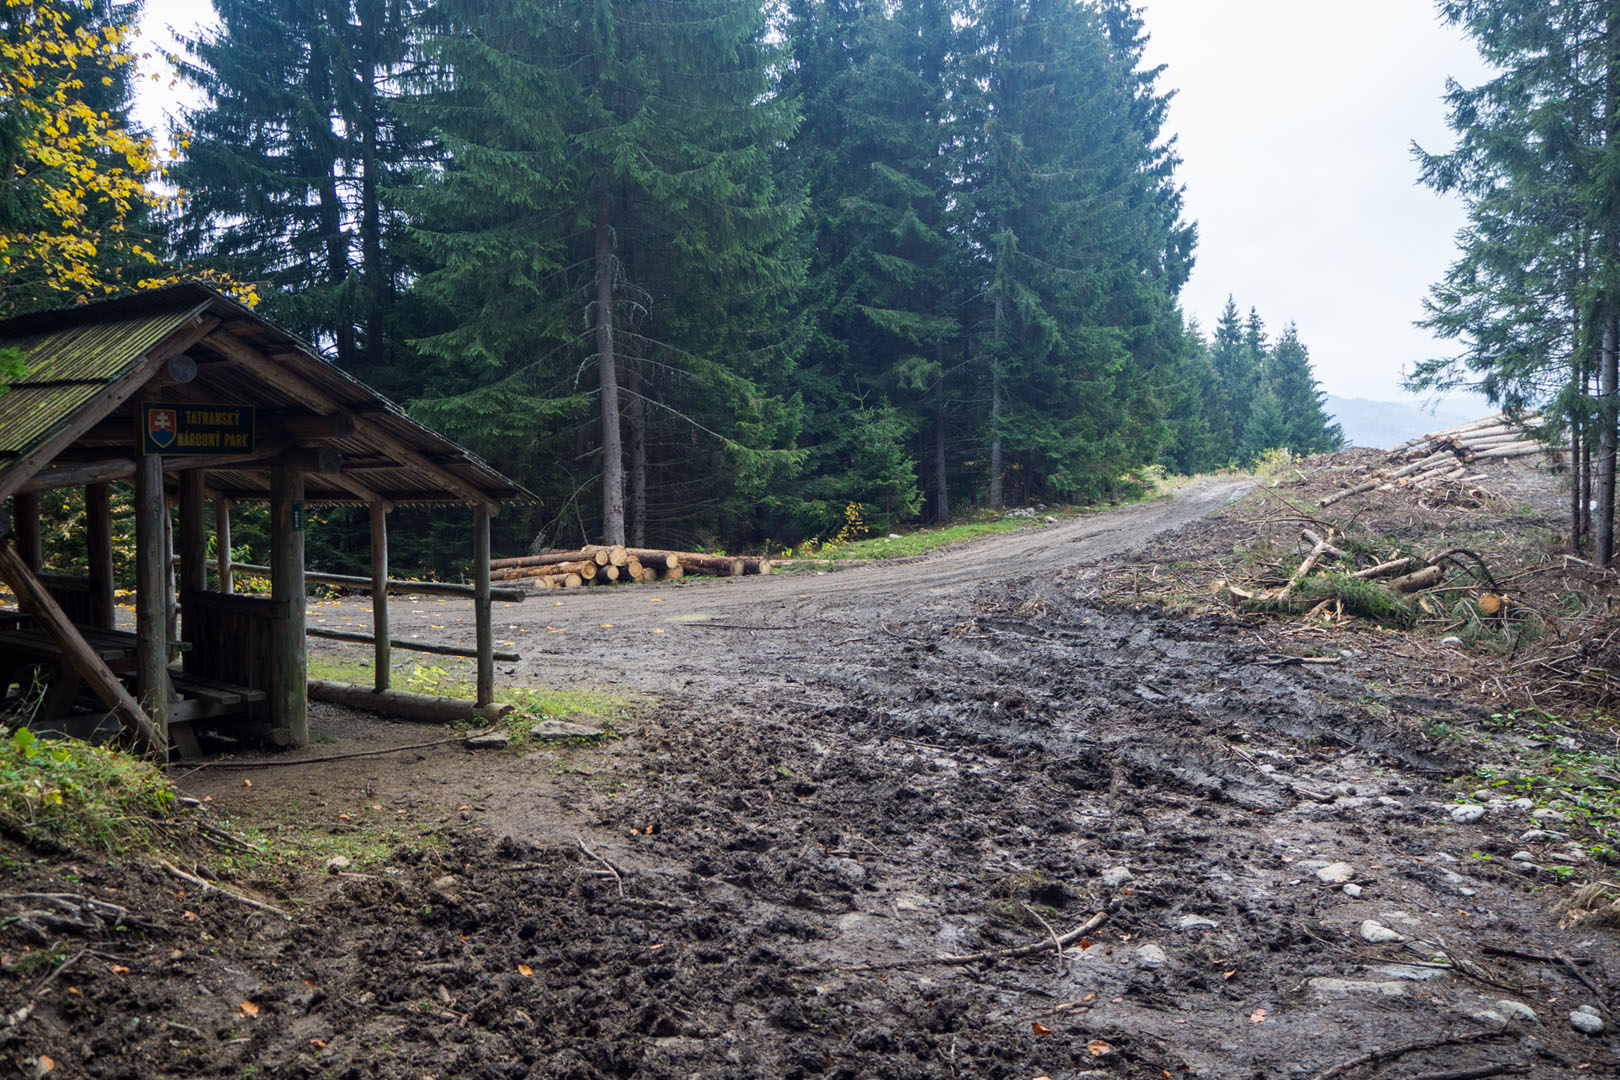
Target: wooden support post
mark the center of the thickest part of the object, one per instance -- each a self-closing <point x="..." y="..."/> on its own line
<point x="171" y="609"/>
<point x="25" y="523"/>
<point x="481" y="607"/>
<point x="382" y="656"/>
<point x="98" y="547"/>
<point x="79" y="655"/>
<point x="151" y="594"/>
<point x="222" y="545"/>
<point x="289" y="707"/>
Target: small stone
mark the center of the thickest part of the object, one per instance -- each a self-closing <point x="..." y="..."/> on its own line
<point x="1115" y="876"/>
<point x="894" y="536"/>
<point x="1377" y="933"/>
<point x="493" y="741"/>
<point x="1336" y="873"/>
<point x="1516" y="1010"/>
<point x="1565" y="857"/>
<point x="1522" y="804"/>
<point x="562" y="729"/>
<point x="1534" y="834"/>
<point x="1482" y="794"/>
<point x="1353" y="891"/>
<point x="1452" y="640"/>
<point x="1523" y="856"/>
<point x="1586" y="1020"/>
<point x="1551" y="817"/>
<point x="1385" y="800"/>
<point x="1195" y="922"/>
<point x="1150" y="956"/>
<point x="1490" y="1018"/>
<point x="1346" y="789"/>
<point x="1049" y="519"/>
<point x="336" y="864"/>
<point x="849" y="871"/>
<point x="1467" y="814"/>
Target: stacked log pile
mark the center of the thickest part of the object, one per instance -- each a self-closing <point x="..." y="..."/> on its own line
<point x="1452" y="456"/>
<point x="604" y="565"/>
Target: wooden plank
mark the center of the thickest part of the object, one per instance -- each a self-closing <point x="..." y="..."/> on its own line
<point x="382" y="659"/>
<point x="407" y="644"/>
<point x="482" y="608"/>
<point x="33" y="598"/>
<point x="311" y="397"/>
<point x="424" y="588"/>
<point x="151" y="613"/>
<point x="97" y="408"/>
<point x="288" y="704"/>
<point x="98" y="548"/>
<point x="222" y="546"/>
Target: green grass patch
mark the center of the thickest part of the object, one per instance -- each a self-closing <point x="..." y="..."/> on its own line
<point x="70" y="793"/>
<point x="1581" y="784"/>
<point x="457" y="677"/>
<point x="921" y="541"/>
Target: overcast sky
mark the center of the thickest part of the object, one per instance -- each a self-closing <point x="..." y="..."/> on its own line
<point x="1295" y="120"/>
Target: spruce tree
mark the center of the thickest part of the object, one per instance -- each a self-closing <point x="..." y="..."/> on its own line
<point x="287" y="161"/>
<point x="1239" y="377"/>
<point x="1533" y="298"/>
<point x="608" y="205"/>
<point x="1073" y="207"/>
<point x="1290" y="380"/>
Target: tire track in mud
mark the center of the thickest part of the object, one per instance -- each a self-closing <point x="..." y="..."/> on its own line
<point x="865" y="770"/>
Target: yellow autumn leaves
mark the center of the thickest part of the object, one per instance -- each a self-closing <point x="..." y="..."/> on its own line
<point x="77" y="175"/>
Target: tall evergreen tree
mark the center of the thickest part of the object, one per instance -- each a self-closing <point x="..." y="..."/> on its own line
<point x="608" y="203"/>
<point x="1534" y="295"/>
<point x="287" y="161"/>
<point x="1075" y="217"/>
<point x="1239" y="377"/>
<point x="1291" y="382"/>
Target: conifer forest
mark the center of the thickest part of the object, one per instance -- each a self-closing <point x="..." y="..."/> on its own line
<point x="709" y="272"/>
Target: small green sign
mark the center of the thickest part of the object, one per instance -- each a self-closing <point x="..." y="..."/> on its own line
<point x="196" y="429"/>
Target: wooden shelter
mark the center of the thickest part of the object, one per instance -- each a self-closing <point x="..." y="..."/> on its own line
<point x="189" y="397"/>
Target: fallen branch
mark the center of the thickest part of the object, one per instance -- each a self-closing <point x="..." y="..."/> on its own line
<point x="209" y="886"/>
<point x="279" y="763"/>
<point x="1024" y="950"/>
<point x="1406" y="1048"/>
<point x="617" y="880"/>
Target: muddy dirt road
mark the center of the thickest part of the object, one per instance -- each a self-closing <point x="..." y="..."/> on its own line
<point x="850" y="837"/>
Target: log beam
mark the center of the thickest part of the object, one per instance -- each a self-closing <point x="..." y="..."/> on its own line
<point x="98" y="551"/>
<point x="483" y="608"/>
<point x="289" y="716"/>
<point x="382" y="659"/>
<point x="311" y="397"/>
<point x="37" y="601"/>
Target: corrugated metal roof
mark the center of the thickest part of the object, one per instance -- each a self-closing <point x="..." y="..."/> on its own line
<point x="72" y="354"/>
<point x="66" y="366"/>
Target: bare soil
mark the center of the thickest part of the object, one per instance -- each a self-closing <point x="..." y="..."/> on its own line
<point x="836" y="782"/>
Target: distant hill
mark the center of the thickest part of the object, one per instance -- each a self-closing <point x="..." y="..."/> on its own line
<point x="1383" y="424"/>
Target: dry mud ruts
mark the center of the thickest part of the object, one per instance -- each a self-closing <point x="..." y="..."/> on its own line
<point x="796" y="855"/>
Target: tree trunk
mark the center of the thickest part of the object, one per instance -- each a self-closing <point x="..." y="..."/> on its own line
<point x="942" y="500"/>
<point x="997" y="494"/>
<point x="608" y="375"/>
<point x="324" y="145"/>
<point x="637" y="414"/>
<point x="371" y="260"/>
<point x="1603" y="550"/>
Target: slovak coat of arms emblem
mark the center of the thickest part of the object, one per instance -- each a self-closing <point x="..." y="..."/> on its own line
<point x="160" y="426"/>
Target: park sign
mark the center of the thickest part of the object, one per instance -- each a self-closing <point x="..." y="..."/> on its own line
<point x="194" y="428"/>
